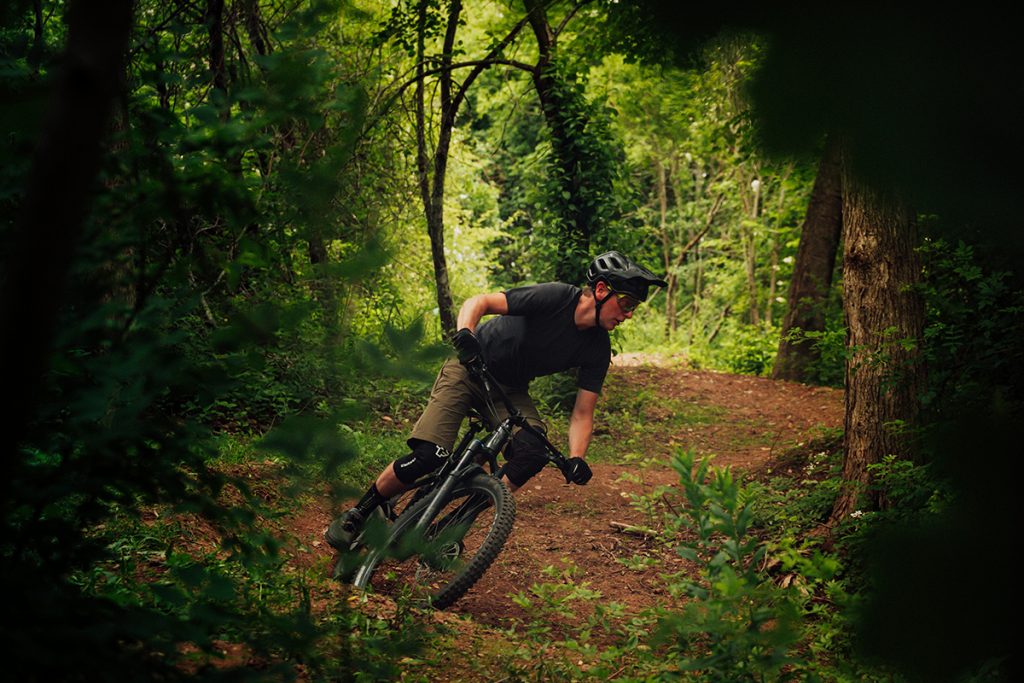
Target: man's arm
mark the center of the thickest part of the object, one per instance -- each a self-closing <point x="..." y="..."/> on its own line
<point x="476" y="307"/>
<point x="581" y="423"/>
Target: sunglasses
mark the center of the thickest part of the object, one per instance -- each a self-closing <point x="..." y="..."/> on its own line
<point x="627" y="302"/>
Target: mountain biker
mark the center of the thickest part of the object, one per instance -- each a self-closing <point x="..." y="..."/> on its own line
<point x="539" y="330"/>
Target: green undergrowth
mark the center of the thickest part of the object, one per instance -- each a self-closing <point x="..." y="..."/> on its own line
<point x="631" y="421"/>
<point x="759" y="599"/>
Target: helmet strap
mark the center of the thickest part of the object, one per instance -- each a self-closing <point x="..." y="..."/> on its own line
<point x="598" y="303"/>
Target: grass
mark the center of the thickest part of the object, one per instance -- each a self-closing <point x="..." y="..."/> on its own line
<point x="635" y="430"/>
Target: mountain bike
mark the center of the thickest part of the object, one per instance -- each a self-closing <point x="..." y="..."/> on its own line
<point x="456" y="521"/>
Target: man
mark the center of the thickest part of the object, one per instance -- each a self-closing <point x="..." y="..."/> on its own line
<point x="540" y="330"/>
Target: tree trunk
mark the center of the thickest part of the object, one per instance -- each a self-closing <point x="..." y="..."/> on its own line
<point x="750" y="252"/>
<point x="431" y="170"/>
<point x="432" y="188"/>
<point x="218" y="68"/>
<point x="57" y="197"/>
<point x="558" y="106"/>
<point x="812" y="272"/>
<point x="884" y="318"/>
<point x="773" y="267"/>
<point x="35" y="55"/>
<point x="254" y="27"/>
<point x="666" y="248"/>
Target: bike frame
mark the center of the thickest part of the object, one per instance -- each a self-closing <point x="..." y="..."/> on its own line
<point x="466" y="459"/>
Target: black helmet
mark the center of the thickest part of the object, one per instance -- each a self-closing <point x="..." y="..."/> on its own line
<point x="622" y="275"/>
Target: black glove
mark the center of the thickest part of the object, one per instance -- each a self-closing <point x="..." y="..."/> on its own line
<point x="468" y="346"/>
<point x="577" y="471"/>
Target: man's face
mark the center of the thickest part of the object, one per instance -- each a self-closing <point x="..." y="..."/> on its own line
<point x="617" y="307"/>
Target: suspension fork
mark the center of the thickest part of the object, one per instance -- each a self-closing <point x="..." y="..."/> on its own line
<point x="487" y="449"/>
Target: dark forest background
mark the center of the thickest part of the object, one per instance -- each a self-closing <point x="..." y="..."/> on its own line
<point x="236" y="227"/>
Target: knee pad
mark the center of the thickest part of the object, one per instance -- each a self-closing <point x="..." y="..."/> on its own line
<point x="424" y="458"/>
<point x="526" y="455"/>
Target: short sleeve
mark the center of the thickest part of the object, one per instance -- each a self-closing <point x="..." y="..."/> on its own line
<point x="592" y="373"/>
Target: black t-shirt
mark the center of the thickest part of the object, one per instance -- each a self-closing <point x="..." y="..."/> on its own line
<point x="539" y="337"/>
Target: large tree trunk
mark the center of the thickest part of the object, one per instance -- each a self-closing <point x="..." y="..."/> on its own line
<point x="884" y="319"/>
<point x="561" y="114"/>
<point x="57" y="198"/>
<point x="812" y="272"/>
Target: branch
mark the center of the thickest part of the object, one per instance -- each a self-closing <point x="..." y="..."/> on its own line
<point x="633" y="530"/>
<point x="569" y="16"/>
<point x="492" y="58"/>
<point x="481" y="63"/>
<point x="708" y="222"/>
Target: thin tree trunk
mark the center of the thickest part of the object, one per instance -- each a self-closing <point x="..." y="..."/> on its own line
<point x="884" y="318"/>
<point x="812" y="271"/>
<point x="750" y="244"/>
<point x="773" y="268"/>
<point x="35" y="55"/>
<point x="254" y="27"/>
<point x="666" y="248"/>
<point x="432" y="185"/>
<point x="432" y="188"/>
<point x="215" y="29"/>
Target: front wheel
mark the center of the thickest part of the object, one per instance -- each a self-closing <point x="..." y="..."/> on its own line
<point x="453" y="550"/>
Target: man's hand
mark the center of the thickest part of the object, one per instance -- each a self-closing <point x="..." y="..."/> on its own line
<point x="467" y="345"/>
<point x="577" y="471"/>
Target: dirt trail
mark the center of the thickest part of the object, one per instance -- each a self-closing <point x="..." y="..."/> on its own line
<point x="751" y="420"/>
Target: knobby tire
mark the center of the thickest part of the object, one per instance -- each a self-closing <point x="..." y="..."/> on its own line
<point x="462" y="526"/>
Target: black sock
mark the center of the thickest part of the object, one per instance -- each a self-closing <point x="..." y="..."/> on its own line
<point x="370" y="500"/>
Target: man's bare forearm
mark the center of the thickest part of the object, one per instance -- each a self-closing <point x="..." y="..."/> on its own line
<point x="580" y="429"/>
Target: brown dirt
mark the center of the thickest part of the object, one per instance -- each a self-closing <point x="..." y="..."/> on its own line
<point x="757" y="420"/>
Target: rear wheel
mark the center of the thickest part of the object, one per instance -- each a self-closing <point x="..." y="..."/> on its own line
<point x="455" y="548"/>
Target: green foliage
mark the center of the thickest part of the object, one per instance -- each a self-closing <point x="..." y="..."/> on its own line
<point x="566" y="621"/>
<point x="739" y="626"/>
<point x="204" y="296"/>
<point x="975" y="321"/>
<point x="555" y="393"/>
<point x="749" y="350"/>
<point x="799" y="503"/>
<point x="764" y="607"/>
<point x="828" y="369"/>
<point x="582" y="170"/>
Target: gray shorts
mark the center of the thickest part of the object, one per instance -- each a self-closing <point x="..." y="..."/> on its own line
<point x="454" y="393"/>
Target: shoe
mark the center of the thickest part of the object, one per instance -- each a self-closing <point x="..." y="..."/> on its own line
<point x="344" y="530"/>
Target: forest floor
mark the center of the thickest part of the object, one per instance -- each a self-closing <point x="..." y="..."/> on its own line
<point x="656" y="406"/>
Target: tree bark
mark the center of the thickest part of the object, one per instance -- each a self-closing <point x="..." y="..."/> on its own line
<point x="215" y="28"/>
<point x="35" y="55"/>
<point x="666" y="248"/>
<point x="750" y="253"/>
<point x="432" y="186"/>
<point x="578" y="216"/>
<point x="431" y="169"/>
<point x="884" y="318"/>
<point x="812" y="272"/>
<point x="58" y="194"/>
